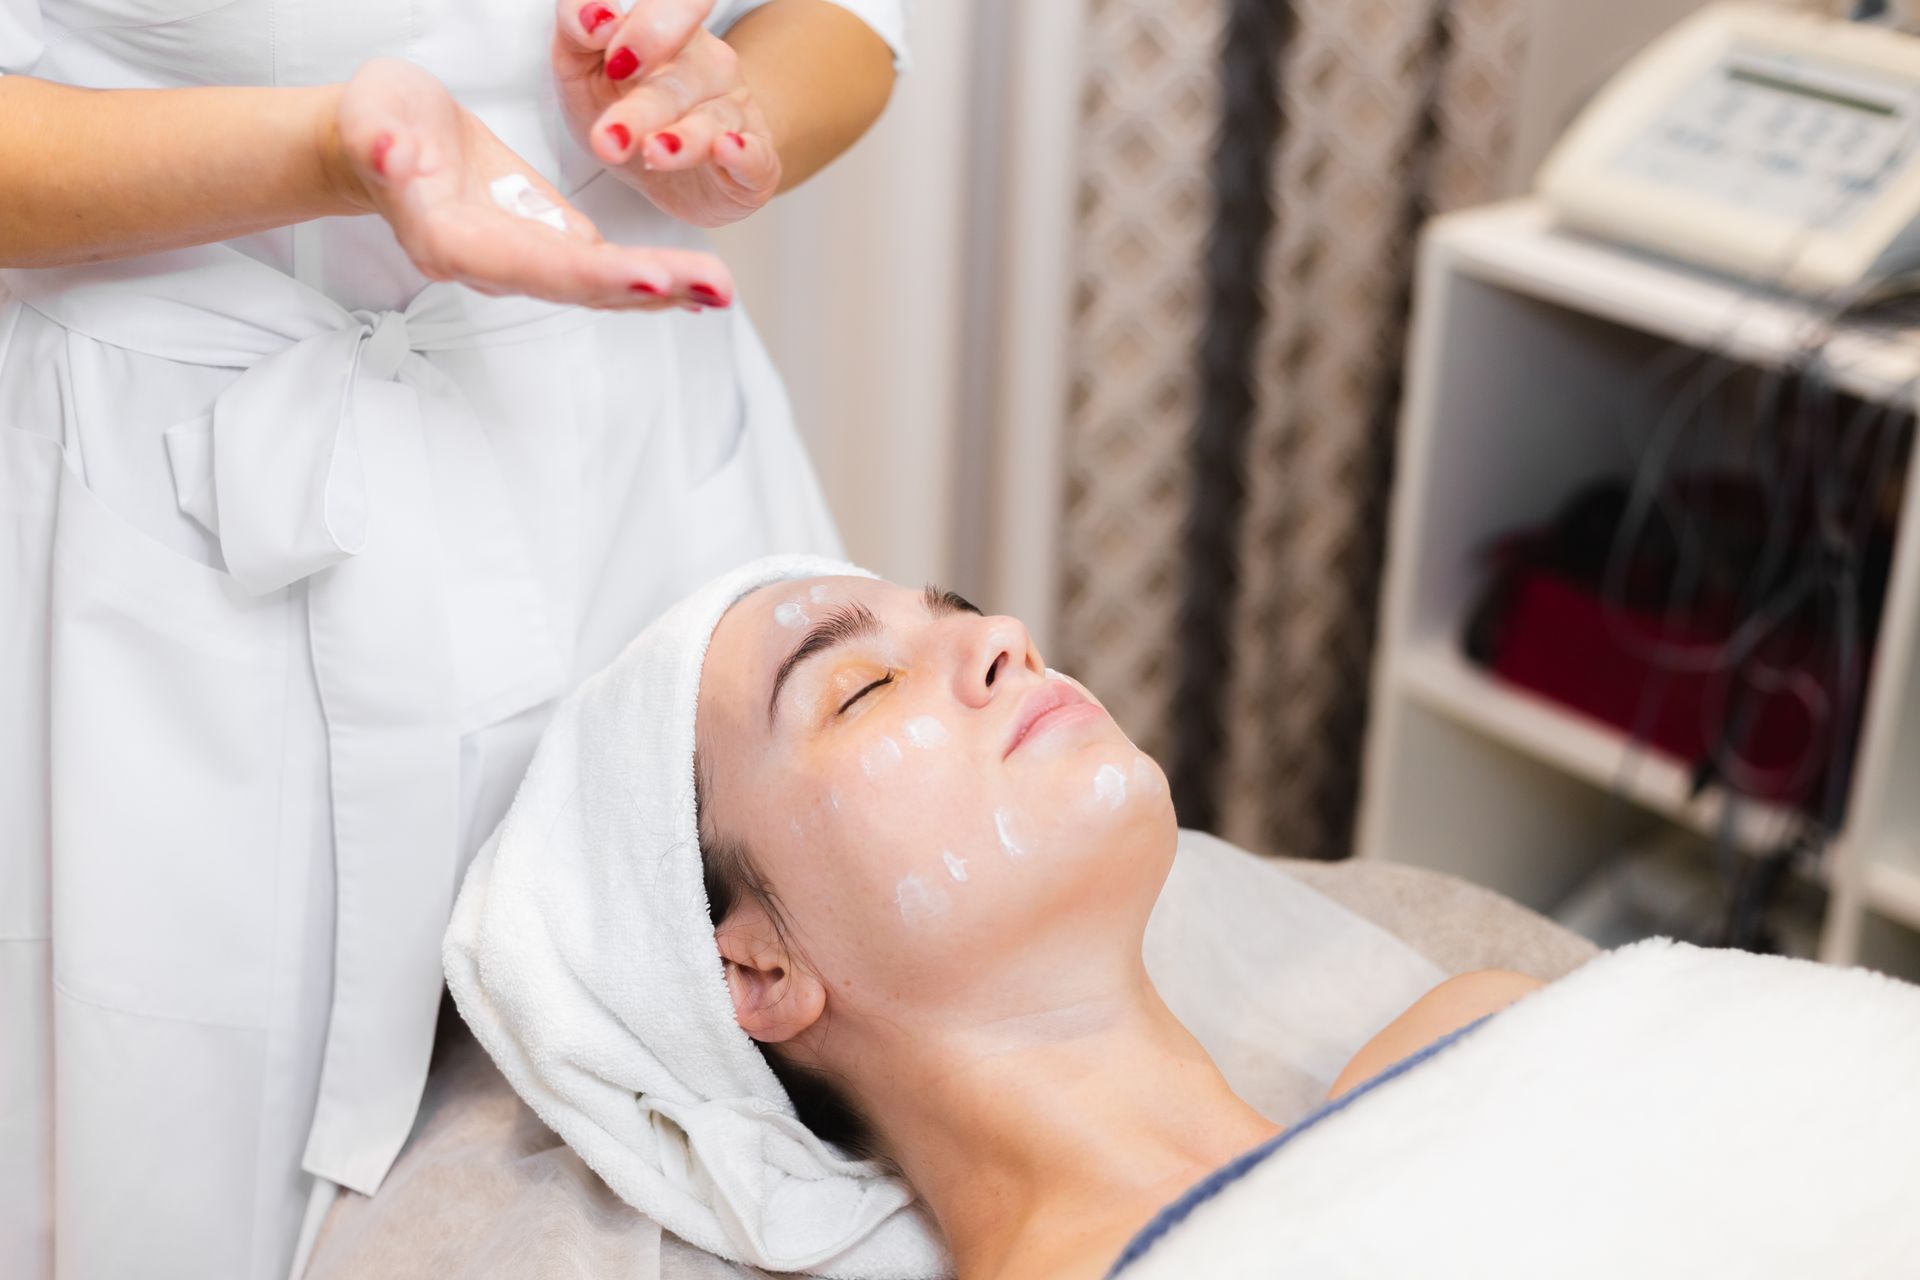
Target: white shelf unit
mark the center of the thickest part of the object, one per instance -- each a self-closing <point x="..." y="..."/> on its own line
<point x="1525" y="340"/>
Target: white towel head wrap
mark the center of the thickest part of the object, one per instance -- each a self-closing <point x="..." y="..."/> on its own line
<point x="582" y="955"/>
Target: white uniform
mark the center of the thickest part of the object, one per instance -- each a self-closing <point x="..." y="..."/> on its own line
<point x="295" y="550"/>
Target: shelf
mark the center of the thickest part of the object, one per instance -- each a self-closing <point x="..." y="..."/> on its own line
<point x="1892" y="889"/>
<point x="1446" y="684"/>
<point x="1515" y="246"/>
<point x="1529" y="346"/>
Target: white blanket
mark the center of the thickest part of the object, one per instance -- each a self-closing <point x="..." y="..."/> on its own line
<point x="1665" y="1111"/>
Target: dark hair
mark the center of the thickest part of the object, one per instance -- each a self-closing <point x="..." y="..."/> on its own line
<point x="822" y="1104"/>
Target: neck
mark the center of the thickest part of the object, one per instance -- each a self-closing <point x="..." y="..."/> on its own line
<point x="1042" y="1141"/>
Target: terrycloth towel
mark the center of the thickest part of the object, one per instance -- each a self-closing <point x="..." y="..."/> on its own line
<point x="581" y="954"/>
<point x="1665" y="1111"/>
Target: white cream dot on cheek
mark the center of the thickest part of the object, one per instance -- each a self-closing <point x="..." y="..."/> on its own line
<point x="833" y="798"/>
<point x="956" y="867"/>
<point x="1109" y="787"/>
<point x="1003" y="826"/>
<point x="790" y="615"/>
<point x="878" y="757"/>
<point x="926" y="732"/>
<point x="918" y="900"/>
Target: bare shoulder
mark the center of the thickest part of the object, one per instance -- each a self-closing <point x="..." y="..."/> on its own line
<point x="1448" y="1007"/>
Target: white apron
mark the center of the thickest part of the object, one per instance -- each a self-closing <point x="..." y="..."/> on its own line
<point x="295" y="550"/>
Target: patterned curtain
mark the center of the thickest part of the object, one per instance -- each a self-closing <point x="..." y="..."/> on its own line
<point x="1151" y="113"/>
<point x="1254" y="175"/>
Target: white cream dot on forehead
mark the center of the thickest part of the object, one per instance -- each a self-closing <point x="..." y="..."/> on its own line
<point x="1109" y="786"/>
<point x="956" y="867"/>
<point x="790" y="615"/>
<point x="817" y="593"/>
<point x="918" y="900"/>
<point x="878" y="757"/>
<point x="926" y="732"/>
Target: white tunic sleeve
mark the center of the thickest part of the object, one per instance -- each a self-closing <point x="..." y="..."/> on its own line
<point x="20" y="36"/>
<point x="887" y="17"/>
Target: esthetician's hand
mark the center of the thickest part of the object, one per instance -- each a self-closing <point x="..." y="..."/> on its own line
<point x="408" y="151"/>
<point x="662" y="102"/>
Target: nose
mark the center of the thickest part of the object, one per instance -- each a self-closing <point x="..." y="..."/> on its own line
<point x="993" y="648"/>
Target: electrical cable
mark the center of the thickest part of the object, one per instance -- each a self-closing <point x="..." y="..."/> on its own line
<point x="1791" y="403"/>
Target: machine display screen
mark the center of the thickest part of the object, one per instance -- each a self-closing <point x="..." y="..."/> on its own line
<point x="1746" y="75"/>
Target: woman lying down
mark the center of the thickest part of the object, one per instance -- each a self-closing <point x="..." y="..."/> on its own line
<point x="816" y="930"/>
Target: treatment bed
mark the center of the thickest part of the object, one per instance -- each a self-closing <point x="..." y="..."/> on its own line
<point x="483" y="1189"/>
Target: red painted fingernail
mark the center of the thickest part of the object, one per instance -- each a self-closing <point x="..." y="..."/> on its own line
<point x="621" y="138"/>
<point x="381" y="145"/>
<point x="594" y="17"/>
<point x="641" y="286"/>
<point x="702" y="293"/>
<point x="671" y="141"/>
<point x="622" y="63"/>
<point x="737" y="141"/>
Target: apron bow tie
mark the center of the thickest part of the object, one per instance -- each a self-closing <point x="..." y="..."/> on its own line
<point x="342" y="458"/>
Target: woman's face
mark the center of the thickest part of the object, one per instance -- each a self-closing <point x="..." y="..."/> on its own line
<point x="931" y="806"/>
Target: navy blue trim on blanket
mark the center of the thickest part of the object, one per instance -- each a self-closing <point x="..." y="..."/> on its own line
<point x="1227" y="1174"/>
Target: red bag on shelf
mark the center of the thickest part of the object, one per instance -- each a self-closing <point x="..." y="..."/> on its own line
<point x="1657" y="680"/>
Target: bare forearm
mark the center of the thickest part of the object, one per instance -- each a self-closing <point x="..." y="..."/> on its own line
<point x="87" y="174"/>
<point x="821" y="76"/>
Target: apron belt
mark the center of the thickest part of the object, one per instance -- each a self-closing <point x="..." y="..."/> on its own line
<point x="320" y="464"/>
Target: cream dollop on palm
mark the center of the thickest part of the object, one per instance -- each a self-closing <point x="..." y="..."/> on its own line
<point x="663" y="103"/>
<point x="429" y="167"/>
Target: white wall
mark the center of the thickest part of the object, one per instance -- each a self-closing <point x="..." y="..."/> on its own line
<point x="915" y="295"/>
<point x="852" y="280"/>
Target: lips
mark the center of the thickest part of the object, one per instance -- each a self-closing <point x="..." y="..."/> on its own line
<point x="1051" y="698"/>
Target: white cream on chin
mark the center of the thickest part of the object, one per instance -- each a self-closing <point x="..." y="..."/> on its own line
<point x="926" y="732"/>
<point x="1109" y="787"/>
<point x="515" y="193"/>
<point x="956" y="867"/>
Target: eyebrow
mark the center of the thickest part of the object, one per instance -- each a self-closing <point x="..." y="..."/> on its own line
<point x="852" y="622"/>
<point x="941" y="602"/>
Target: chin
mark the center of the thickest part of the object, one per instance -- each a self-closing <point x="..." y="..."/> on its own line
<point x="1129" y="851"/>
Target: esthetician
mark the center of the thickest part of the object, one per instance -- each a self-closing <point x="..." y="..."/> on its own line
<point x="364" y="384"/>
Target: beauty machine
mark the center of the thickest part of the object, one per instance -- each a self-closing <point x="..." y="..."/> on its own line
<point x="1780" y="147"/>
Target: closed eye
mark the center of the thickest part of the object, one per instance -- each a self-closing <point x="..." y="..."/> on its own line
<point x="886" y="679"/>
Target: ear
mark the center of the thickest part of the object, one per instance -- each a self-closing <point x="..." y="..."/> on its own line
<point x="774" y="999"/>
